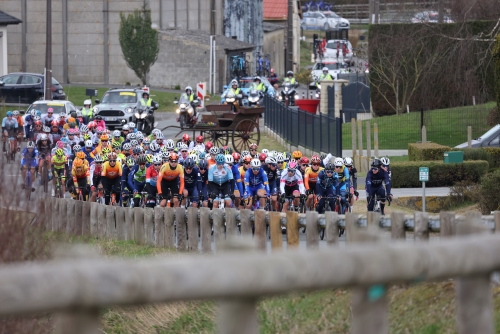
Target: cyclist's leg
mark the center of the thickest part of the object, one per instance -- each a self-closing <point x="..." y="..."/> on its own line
<point x="116" y="188"/>
<point x="370" y="199"/>
<point x="185" y="195"/>
<point x="194" y="197"/>
<point x="249" y="194"/>
<point x="106" y="185"/>
<point x="137" y="195"/>
<point x="174" y="187"/>
<point x="82" y="183"/>
<point x="151" y="199"/>
<point x="296" y="195"/>
<point x="262" y="197"/>
<point x="95" y="182"/>
<point x="321" y="193"/>
<point x="226" y="194"/>
<point x="288" y="193"/>
<point x="382" y="195"/>
<point x="24" y="168"/>
<point x="164" y="194"/>
<point x="237" y="198"/>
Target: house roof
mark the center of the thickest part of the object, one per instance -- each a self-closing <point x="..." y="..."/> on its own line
<point x="275" y="9"/>
<point x="6" y="19"/>
<point x="203" y="37"/>
<point x="268" y="27"/>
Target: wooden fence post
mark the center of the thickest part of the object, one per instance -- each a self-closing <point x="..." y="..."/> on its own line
<point x="292" y="229"/>
<point x="139" y="226"/>
<point x="180" y="223"/>
<point x="206" y="230"/>
<point x="398" y="225"/>
<point x="40" y="212"/>
<point x="312" y="236"/>
<point x="169" y="218"/>
<point x="351" y="225"/>
<point x="331" y="228"/>
<point x="110" y="222"/>
<point x="369" y="304"/>
<point x="218" y="226"/>
<point x="246" y="222"/>
<point x="238" y="315"/>
<point x="373" y="218"/>
<point x="94" y="219"/>
<point x="421" y="229"/>
<point x="86" y="216"/>
<point x="77" y="321"/>
<point x="70" y="216"/>
<point x="192" y="229"/>
<point x="159" y="227"/>
<point x="101" y="221"/>
<point x="447" y="224"/>
<point x="61" y="226"/>
<point x="231" y="225"/>
<point x="129" y="224"/>
<point x="260" y="229"/>
<point x="275" y="230"/>
<point x="121" y="232"/>
<point x="149" y="227"/>
<point x="473" y="293"/>
<point x="77" y="225"/>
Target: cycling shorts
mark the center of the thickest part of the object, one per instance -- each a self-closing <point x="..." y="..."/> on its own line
<point x="289" y="190"/>
<point x="217" y="190"/>
<point x="192" y="194"/>
<point x="252" y="191"/>
<point x="169" y="186"/>
<point x="28" y="163"/>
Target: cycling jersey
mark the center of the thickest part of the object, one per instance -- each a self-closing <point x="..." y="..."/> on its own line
<point x="59" y="162"/>
<point x="291" y="181"/>
<point x="9" y="125"/>
<point x="44" y="148"/>
<point x="83" y="173"/>
<point x="374" y="181"/>
<point x="193" y="179"/>
<point x="29" y="159"/>
<point x="237" y="177"/>
<point x="326" y="182"/>
<point x="95" y="169"/>
<point x="272" y="177"/>
<point x="252" y="180"/>
<point x="151" y="176"/>
<point x="220" y="176"/>
<point x="139" y="174"/>
<point x="170" y="175"/>
<point x="311" y="177"/>
<point x="111" y="172"/>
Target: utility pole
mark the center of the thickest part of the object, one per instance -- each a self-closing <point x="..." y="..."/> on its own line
<point x="48" y="53"/>
<point x="440" y="11"/>
<point x="289" y="37"/>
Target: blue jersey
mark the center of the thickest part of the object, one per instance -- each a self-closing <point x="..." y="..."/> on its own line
<point x="237" y="178"/>
<point x="252" y="180"/>
<point x="193" y="179"/>
<point x="344" y="178"/>
<point x="374" y="181"/>
<point x="326" y="182"/>
<point x="25" y="154"/>
<point x="220" y="176"/>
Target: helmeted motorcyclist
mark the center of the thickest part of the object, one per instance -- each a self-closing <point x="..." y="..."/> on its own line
<point x="259" y="85"/>
<point x="87" y="111"/>
<point x="324" y="76"/>
<point x="290" y="78"/>
<point x="146" y="101"/>
<point x="235" y="90"/>
<point x="189" y="95"/>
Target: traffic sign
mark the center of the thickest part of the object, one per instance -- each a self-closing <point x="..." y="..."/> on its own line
<point x="200" y="92"/>
<point x="423" y="173"/>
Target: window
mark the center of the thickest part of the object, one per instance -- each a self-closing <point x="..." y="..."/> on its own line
<point x="120" y="97"/>
<point x="11" y="79"/>
<point x="30" y="80"/>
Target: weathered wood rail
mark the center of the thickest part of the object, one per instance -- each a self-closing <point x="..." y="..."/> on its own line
<point x="78" y="289"/>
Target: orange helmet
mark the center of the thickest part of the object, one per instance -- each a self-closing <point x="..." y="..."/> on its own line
<point x="112" y="156"/>
<point x="104" y="137"/>
<point x="297" y="155"/>
<point x="247" y="158"/>
<point x="80" y="155"/>
<point x="315" y="159"/>
<point x="78" y="163"/>
<point x="174" y="157"/>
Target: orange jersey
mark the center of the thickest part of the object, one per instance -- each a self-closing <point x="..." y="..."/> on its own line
<point x="311" y="176"/>
<point x="170" y="174"/>
<point x="20" y="121"/>
<point x="242" y="172"/>
<point x="210" y="162"/>
<point x="83" y="172"/>
<point x="112" y="172"/>
<point x="98" y="150"/>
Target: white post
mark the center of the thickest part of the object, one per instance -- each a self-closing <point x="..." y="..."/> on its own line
<point x="44" y="80"/>
<point x="423" y="196"/>
<point x="407" y="108"/>
<point x="473" y="100"/>
<point x="215" y="64"/>
<point x="210" y="70"/>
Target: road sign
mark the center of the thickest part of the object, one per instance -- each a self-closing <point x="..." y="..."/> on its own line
<point x="200" y="92"/>
<point x="423" y="173"/>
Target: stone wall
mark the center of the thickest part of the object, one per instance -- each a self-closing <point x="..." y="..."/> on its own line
<point x="274" y="46"/>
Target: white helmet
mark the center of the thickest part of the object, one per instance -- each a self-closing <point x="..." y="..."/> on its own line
<point x="131" y="125"/>
<point x="155" y="131"/>
<point x="87" y="102"/>
<point x="183" y="146"/>
<point x="214" y="151"/>
<point x="157" y="159"/>
<point x="385" y="161"/>
<point x="233" y="82"/>
<point x="255" y="163"/>
<point x="270" y="160"/>
<point x="116" y="133"/>
<point x="43" y="136"/>
<point x="347" y="161"/>
<point x="88" y="143"/>
<point x="229" y="159"/>
<point x="188" y="87"/>
<point x="169" y="144"/>
<point x="126" y="127"/>
<point x="139" y="136"/>
<point x="280" y="157"/>
<point x="154" y="146"/>
<point x="265" y="151"/>
<point x="272" y="154"/>
<point x="338" y="162"/>
<point x="194" y="156"/>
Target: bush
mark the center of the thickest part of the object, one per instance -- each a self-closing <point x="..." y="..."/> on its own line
<point x="493" y="117"/>
<point x="490" y="154"/>
<point x="304" y="77"/>
<point x="461" y="193"/>
<point x="405" y="174"/>
<point x="177" y="87"/>
<point x="426" y="151"/>
<point x="490" y="196"/>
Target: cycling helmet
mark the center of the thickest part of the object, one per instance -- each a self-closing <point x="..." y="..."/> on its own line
<point x="127" y="147"/>
<point x="54" y="123"/>
<point x="130" y="161"/>
<point x="203" y="164"/>
<point x="78" y="163"/>
<point x="131" y="125"/>
<point x="84" y="128"/>
<point x="98" y="158"/>
<point x="146" y="141"/>
<point x="105" y="151"/>
<point x="323" y="156"/>
<point x="100" y="130"/>
<point x="157" y="159"/>
<point x="304" y="160"/>
<point x="185" y="137"/>
<point x="59" y="152"/>
<point x="134" y="143"/>
<point x="86" y="136"/>
<point x="254" y="145"/>
<point x="385" y="161"/>
<point x="247" y="158"/>
<point x="137" y="150"/>
<point x="292" y="167"/>
<point x="116" y="133"/>
<point x="229" y="159"/>
<point x="202" y="155"/>
<point x="271" y="160"/>
<point x="199" y="139"/>
<point x="149" y="158"/>
<point x="155" y="132"/>
<point x="80" y="155"/>
<point x="280" y="157"/>
<point x="159" y="135"/>
<point x="348" y="161"/>
<point x="104" y="137"/>
<point x="214" y="151"/>
<point x="31" y="144"/>
<point x="92" y="125"/>
<point x="165" y="156"/>
<point x="43" y="136"/>
<point x="179" y="143"/>
<point x="169" y="144"/>
<point x="154" y="147"/>
<point x="338" y="162"/>
<point x="112" y="156"/>
<point x="255" y="163"/>
<point x="139" y="136"/>
<point x="14" y="113"/>
<point x="188" y="88"/>
<point x="64" y="140"/>
<point x="220" y="159"/>
<point x="257" y="78"/>
<point x="297" y="155"/>
<point x="141" y="159"/>
<point x="189" y="163"/>
<point x="262" y="157"/>
<point x="209" y="145"/>
<point x="39" y="113"/>
<point x="183" y="147"/>
<point x="116" y="144"/>
<point x="315" y="159"/>
<point x="194" y="156"/>
<point x="272" y="154"/>
<point x="329" y="166"/>
<point x="88" y="143"/>
<point x="33" y="112"/>
<point x="132" y="136"/>
<point x="236" y="156"/>
<point x="376" y="163"/>
<point x="126" y="127"/>
<point x="289" y="73"/>
<point x="265" y="151"/>
<point x="245" y="153"/>
<point x="46" y="129"/>
<point x="174" y="157"/>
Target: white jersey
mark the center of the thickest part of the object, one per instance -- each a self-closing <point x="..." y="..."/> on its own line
<point x="291" y="181"/>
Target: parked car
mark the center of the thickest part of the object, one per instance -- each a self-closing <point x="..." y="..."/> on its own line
<point x="22" y="87"/>
<point x="58" y="107"/>
<point x="429" y="17"/>
<point x="334" y="68"/>
<point x="323" y="21"/>
<point x="117" y="106"/>
<point x="490" y="139"/>
<point x="331" y="50"/>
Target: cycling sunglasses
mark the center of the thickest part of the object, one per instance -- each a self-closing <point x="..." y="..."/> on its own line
<point x="112" y="160"/>
<point x="202" y="168"/>
<point x="188" y="168"/>
<point x="256" y="169"/>
<point x="158" y="165"/>
<point x="329" y="171"/>
<point x="315" y="164"/>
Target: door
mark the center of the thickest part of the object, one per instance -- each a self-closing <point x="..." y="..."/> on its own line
<point x="8" y="88"/>
<point x="31" y="88"/>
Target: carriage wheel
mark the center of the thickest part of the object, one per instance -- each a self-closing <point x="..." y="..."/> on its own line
<point x="218" y="138"/>
<point x="246" y="132"/>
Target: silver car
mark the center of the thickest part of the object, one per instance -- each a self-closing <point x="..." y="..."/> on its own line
<point x="490" y="139"/>
<point x="117" y="106"/>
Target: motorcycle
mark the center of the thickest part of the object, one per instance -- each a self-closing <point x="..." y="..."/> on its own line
<point x="288" y="94"/>
<point x="233" y="100"/>
<point x="318" y="92"/>
<point x="144" y="118"/>
<point x="187" y="112"/>
<point x="255" y="97"/>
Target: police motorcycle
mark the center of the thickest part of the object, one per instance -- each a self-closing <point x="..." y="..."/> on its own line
<point x="288" y="94"/>
<point x="186" y="111"/>
<point x="255" y="97"/>
<point x="144" y="118"/>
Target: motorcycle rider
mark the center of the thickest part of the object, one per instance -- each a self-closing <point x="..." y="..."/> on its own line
<point x="235" y="90"/>
<point x="290" y="78"/>
<point x="259" y="85"/>
<point x="189" y="95"/>
<point x="324" y="76"/>
<point x="87" y="111"/>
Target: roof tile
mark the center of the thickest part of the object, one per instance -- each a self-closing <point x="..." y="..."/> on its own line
<point x="275" y="9"/>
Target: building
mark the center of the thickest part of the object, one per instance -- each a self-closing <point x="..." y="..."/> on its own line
<point x="5" y="20"/>
<point x="274" y="46"/>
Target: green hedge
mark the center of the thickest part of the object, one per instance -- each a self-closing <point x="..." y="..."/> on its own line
<point x="405" y="174"/>
<point x="490" y="154"/>
<point x="426" y="151"/>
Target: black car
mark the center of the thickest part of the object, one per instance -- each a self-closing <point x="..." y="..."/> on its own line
<point x="21" y="87"/>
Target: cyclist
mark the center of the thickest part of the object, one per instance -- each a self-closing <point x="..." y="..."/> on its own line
<point x="81" y="178"/>
<point x="171" y="181"/>
<point x="151" y="179"/>
<point x="104" y="143"/>
<point x="341" y="188"/>
<point x="137" y="179"/>
<point x="220" y="182"/>
<point x="198" y="143"/>
<point x="47" y="119"/>
<point x="326" y="187"/>
<point x="117" y="138"/>
<point x="59" y="164"/>
<point x="44" y="148"/>
<point x="291" y="184"/>
<point x="29" y="158"/>
<point x="385" y="166"/>
<point x="10" y="129"/>
<point x="353" y="180"/>
<point x="253" y="151"/>
<point x="37" y="129"/>
<point x="375" y="179"/>
<point x="203" y="168"/>
<point x="238" y="189"/>
<point x="243" y="168"/>
<point x="55" y="132"/>
<point x="20" y="128"/>
<point x="192" y="182"/>
<point x="127" y="185"/>
<point x="95" y="175"/>
<point x="304" y="163"/>
<point x="111" y="177"/>
<point x="256" y="184"/>
<point x="310" y="179"/>
<point x="271" y="169"/>
<point x="89" y="148"/>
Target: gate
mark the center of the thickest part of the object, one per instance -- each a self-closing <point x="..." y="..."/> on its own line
<point x="355" y="99"/>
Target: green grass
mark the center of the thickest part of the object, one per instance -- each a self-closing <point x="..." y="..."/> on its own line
<point x="444" y="126"/>
<point x="305" y="55"/>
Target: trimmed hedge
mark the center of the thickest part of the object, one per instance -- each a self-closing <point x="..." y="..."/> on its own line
<point x="426" y="151"/>
<point x="490" y="154"/>
<point x="405" y="174"/>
